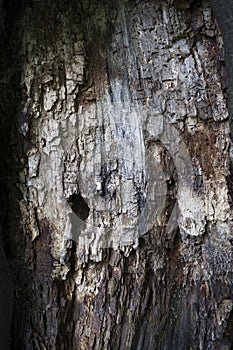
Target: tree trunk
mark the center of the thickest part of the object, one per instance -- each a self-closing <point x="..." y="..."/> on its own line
<point x="116" y="183"/>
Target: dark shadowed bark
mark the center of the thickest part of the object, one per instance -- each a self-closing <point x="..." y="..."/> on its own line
<point x="116" y="183"/>
<point x="223" y="10"/>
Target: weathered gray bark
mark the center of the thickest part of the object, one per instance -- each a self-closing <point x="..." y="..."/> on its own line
<point x="115" y="155"/>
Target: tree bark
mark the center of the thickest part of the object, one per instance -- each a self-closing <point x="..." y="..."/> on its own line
<point x="224" y="14"/>
<point x="116" y="180"/>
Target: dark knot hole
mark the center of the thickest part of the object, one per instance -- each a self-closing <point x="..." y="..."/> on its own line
<point x="79" y="206"/>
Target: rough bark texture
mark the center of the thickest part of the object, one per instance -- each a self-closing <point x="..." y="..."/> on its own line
<point x="224" y="13"/>
<point x="115" y="175"/>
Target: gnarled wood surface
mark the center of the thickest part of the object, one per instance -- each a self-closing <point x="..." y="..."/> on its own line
<point x="115" y="157"/>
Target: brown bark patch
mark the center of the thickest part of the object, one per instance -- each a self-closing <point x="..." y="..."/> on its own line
<point x="202" y="146"/>
<point x="44" y="258"/>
